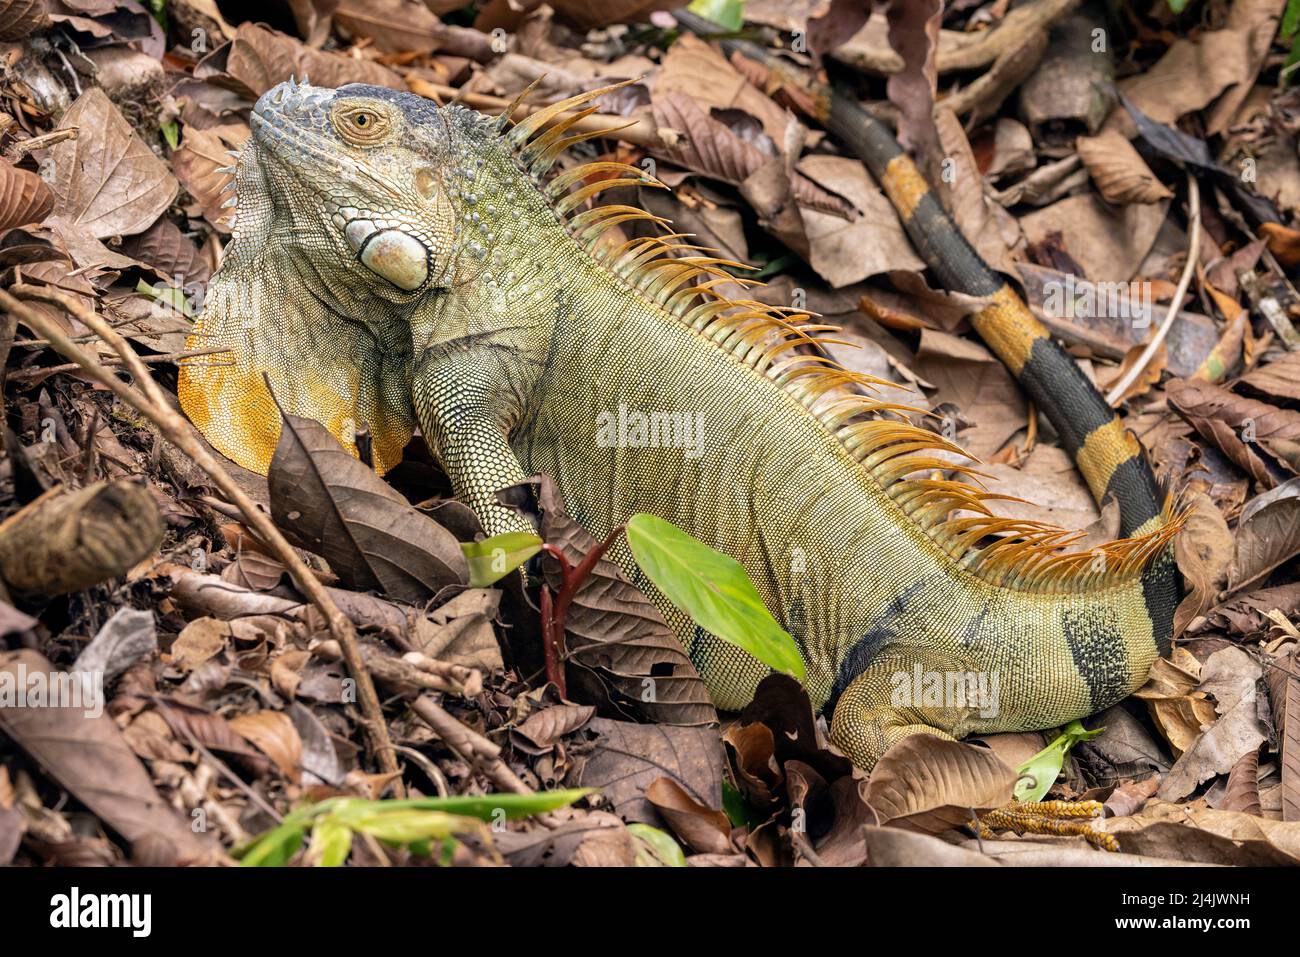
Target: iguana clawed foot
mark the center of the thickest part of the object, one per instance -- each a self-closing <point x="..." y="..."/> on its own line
<point x="1066" y="818"/>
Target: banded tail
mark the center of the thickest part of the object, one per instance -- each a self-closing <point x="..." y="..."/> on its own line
<point x="1108" y="456"/>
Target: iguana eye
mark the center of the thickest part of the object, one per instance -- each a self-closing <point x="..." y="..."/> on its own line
<point x="361" y="125"/>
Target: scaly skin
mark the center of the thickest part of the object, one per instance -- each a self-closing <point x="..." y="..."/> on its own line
<point x="515" y="345"/>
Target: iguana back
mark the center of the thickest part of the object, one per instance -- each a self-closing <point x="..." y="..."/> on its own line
<point x="476" y="299"/>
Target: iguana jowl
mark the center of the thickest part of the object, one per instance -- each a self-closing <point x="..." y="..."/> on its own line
<point x="395" y="262"/>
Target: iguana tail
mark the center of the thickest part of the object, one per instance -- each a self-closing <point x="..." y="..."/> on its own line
<point x="1108" y="455"/>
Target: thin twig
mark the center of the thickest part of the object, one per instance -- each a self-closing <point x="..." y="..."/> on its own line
<point x="1116" y="394"/>
<point x="176" y="429"/>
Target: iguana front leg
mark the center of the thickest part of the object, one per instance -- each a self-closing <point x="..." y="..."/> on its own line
<point x="458" y="402"/>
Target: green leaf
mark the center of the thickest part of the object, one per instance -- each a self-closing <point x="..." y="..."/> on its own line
<point x="402" y="825"/>
<point x="1178" y="6"/>
<point x="728" y="14"/>
<point x="168" y="295"/>
<point x="655" y="848"/>
<point x="331" y="842"/>
<point x="276" y="847"/>
<point x="1290" y="19"/>
<point x="490" y="807"/>
<point x="493" y="558"/>
<point x="171" y="132"/>
<point x="1039" y="773"/>
<point x="713" y="588"/>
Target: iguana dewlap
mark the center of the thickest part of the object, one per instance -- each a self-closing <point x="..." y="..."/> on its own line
<point x="394" y="262"/>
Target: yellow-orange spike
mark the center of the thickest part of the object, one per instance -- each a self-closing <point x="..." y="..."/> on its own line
<point x="578" y="197"/>
<point x="524" y="129"/>
<point x="568" y="178"/>
<point x="509" y="111"/>
<point x="532" y="152"/>
<point x="546" y="159"/>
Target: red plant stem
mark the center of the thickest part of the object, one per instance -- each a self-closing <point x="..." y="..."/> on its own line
<point x="554" y="614"/>
<point x="550" y="648"/>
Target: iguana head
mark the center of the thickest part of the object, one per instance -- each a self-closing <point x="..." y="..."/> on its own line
<point x="362" y="171"/>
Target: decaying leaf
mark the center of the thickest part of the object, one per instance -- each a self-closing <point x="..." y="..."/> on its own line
<point x="82" y="748"/>
<point x="24" y="197"/>
<point x="106" y="182"/>
<point x="1268" y="534"/>
<point x="927" y="784"/>
<point x="334" y="505"/>
<point x="1121" y="175"/>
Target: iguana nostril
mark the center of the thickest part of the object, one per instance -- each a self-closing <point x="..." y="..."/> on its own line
<point x="401" y="259"/>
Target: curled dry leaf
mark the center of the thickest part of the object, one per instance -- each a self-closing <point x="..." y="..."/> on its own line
<point x="1242" y="793"/>
<point x="925" y="783"/>
<point x="24" y="197"/>
<point x="703" y="829"/>
<point x="274" y="734"/>
<point x="1268" y="534"/>
<point x="20" y="18"/>
<point x="1118" y="170"/>
<point x="1244" y="429"/>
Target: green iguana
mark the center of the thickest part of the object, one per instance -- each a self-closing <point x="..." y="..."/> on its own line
<point x="396" y="263"/>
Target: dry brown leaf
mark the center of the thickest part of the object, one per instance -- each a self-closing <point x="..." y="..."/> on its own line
<point x="1242" y="792"/>
<point x="273" y="733"/>
<point x="200" y="640"/>
<point x="927" y="784"/>
<point x="542" y="729"/>
<point x="20" y="18"/>
<point x="197" y="162"/>
<point x="329" y="502"/>
<point x="1279" y="378"/>
<point x="1108" y="243"/>
<point x="169" y="251"/>
<point x="703" y="829"/>
<point x="696" y="69"/>
<point x="1268" y="534"/>
<point x="1120" y="173"/>
<point x="627" y="758"/>
<point x="1242" y="428"/>
<point x="24" y="197"/>
<point x="259" y="58"/>
<point x="1284" y="691"/>
<point x="970" y="378"/>
<point x="1230" y="676"/>
<point x="1187" y="832"/>
<point x="86" y="754"/>
<point x="845" y="251"/>
<point x="106" y="182"/>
